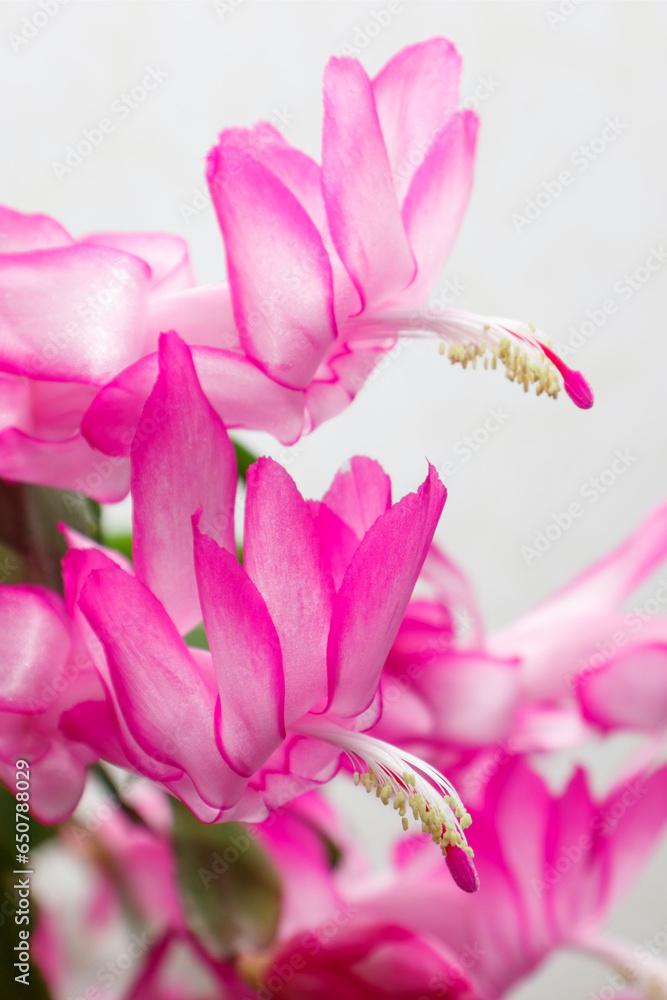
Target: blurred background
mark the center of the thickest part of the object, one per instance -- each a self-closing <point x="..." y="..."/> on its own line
<point x="564" y="85"/>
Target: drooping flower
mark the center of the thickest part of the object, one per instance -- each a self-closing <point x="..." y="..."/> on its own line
<point x="327" y="265"/>
<point x="74" y="313"/>
<point x="297" y="635"/>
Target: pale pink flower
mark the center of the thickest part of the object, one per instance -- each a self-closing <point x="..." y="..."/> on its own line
<point x="327" y="265"/>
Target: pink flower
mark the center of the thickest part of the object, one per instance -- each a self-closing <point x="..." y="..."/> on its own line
<point x="297" y="635"/>
<point x="552" y="868"/>
<point x="327" y="265"/>
<point x="536" y="683"/>
<point x="43" y="674"/>
<point x="74" y="313"/>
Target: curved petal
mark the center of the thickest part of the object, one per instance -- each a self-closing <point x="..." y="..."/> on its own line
<point x="35" y="646"/>
<point x="437" y="200"/>
<point x="187" y="463"/>
<point x="241" y="394"/>
<point x="375" y="592"/>
<point x="359" y="494"/>
<point x="303" y="176"/>
<point x="166" y="703"/>
<point x="64" y="465"/>
<point x="629" y="691"/>
<point x="246" y="654"/>
<point x="362" y="209"/>
<point x="285" y="560"/>
<point x="415" y="93"/>
<point x="203" y="317"/>
<point x="165" y="253"/>
<point x="281" y="287"/>
<point x="20" y="233"/>
<point x="76" y="312"/>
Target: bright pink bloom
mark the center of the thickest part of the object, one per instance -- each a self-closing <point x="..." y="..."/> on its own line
<point x="297" y="635"/>
<point x="74" y="313"/>
<point x="327" y="265"/>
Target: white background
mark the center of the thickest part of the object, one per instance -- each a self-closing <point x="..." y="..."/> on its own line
<point x="555" y="81"/>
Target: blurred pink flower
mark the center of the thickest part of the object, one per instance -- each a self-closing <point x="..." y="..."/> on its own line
<point x="457" y="695"/>
<point x="42" y="675"/>
<point x="328" y="265"/>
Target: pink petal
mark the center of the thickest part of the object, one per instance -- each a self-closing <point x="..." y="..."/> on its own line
<point x="416" y="92"/>
<point x="437" y="199"/>
<point x="337" y="538"/>
<point x="281" y="287"/>
<point x="57" y="781"/>
<point x="187" y="463"/>
<point x="473" y="697"/>
<point x="78" y="564"/>
<point x="246" y="654"/>
<point x="203" y="317"/>
<point x="363" y="212"/>
<point x="241" y="394"/>
<point x="166" y="255"/>
<point x="632" y="818"/>
<point x="74" y="312"/>
<point x="21" y="233"/>
<point x="35" y="646"/>
<point x="65" y="465"/>
<point x="359" y="494"/>
<point x="303" y="177"/>
<point x="166" y="703"/>
<point x="284" y="558"/>
<point x="629" y="691"/>
<point x="375" y="592"/>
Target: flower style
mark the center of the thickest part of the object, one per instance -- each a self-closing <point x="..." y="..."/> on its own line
<point x="74" y="313"/>
<point x="328" y="265"/>
<point x="297" y="635"/>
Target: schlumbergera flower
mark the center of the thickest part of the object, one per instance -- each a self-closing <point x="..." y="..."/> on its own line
<point x="297" y="635"/>
<point x="327" y="265"/>
<point x="458" y="696"/>
<point x="554" y="866"/>
<point x="552" y="869"/>
<point x="73" y="313"/>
